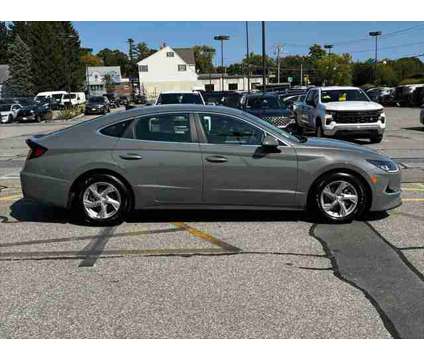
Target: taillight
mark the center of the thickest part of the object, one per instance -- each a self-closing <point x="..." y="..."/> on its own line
<point x="36" y="150"/>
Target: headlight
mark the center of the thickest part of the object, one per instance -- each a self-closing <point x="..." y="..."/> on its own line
<point x="386" y="165"/>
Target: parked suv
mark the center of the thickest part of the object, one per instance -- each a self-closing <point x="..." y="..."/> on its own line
<point x="97" y="105"/>
<point x="268" y="107"/>
<point x="345" y="111"/>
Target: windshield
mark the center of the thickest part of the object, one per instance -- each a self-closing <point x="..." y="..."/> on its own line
<point x="264" y="102"/>
<point x="272" y="128"/>
<point x="343" y="95"/>
<point x="96" y="100"/>
<point x="179" y="99"/>
<point x="5" y="107"/>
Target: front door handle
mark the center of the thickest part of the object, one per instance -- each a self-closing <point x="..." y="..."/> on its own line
<point x="131" y="156"/>
<point x="216" y="159"/>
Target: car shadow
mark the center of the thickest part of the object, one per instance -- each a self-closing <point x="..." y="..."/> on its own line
<point x="31" y="211"/>
<point x="415" y="128"/>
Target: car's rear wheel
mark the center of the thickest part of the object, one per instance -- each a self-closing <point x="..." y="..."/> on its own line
<point x="102" y="199"/>
<point x="340" y="197"/>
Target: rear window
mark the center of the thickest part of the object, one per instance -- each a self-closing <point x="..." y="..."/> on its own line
<point x="116" y="130"/>
<point x="179" y="99"/>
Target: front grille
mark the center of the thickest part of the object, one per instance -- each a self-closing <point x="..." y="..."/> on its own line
<point x="356" y="117"/>
<point x="278" y="121"/>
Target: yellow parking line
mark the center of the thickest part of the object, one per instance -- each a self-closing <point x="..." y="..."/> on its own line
<point x="417" y="199"/>
<point x="413" y="189"/>
<point x="205" y="236"/>
<point x="10" y="197"/>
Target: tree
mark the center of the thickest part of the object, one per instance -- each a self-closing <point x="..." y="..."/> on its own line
<point x="203" y="55"/>
<point x="4" y="43"/>
<point x="316" y="52"/>
<point x="334" y="69"/>
<point x="19" y="82"/>
<point x="91" y="60"/>
<point x="55" y="50"/>
<point x="142" y="51"/>
<point x="116" y="58"/>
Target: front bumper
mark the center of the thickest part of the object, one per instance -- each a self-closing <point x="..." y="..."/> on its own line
<point x="354" y="129"/>
<point x="386" y="193"/>
<point x="94" y="111"/>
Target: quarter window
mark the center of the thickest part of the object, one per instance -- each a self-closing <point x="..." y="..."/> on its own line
<point x="167" y="127"/>
<point x="116" y="130"/>
<point x="221" y="129"/>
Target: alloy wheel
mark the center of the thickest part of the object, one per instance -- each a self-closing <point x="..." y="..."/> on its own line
<point x="339" y="199"/>
<point x="101" y="200"/>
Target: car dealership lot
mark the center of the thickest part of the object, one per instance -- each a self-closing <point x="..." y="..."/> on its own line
<point x="213" y="274"/>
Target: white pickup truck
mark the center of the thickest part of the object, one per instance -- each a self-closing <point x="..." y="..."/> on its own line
<point x="344" y="111"/>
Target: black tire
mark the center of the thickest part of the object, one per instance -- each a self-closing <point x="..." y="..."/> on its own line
<point x="376" y="139"/>
<point x="80" y="212"/>
<point x="362" y="197"/>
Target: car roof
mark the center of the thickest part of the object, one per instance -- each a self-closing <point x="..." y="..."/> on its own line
<point x="181" y="92"/>
<point x="336" y="88"/>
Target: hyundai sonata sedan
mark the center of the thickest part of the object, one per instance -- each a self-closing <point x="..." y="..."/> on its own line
<point x="203" y="157"/>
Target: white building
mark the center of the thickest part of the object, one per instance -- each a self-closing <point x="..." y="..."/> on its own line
<point x="167" y="70"/>
<point x="213" y="82"/>
<point x="171" y="69"/>
<point x="96" y="78"/>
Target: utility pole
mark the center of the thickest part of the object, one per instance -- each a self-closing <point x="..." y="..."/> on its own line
<point x="375" y="34"/>
<point x="278" y="48"/>
<point x="222" y="38"/>
<point x="247" y="57"/>
<point x="131" y="56"/>
<point x="301" y="74"/>
<point x="263" y="58"/>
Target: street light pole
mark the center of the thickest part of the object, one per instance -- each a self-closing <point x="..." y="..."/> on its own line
<point x="375" y="34"/>
<point x="263" y="58"/>
<point x="328" y="47"/>
<point x="222" y="38"/>
<point x="247" y="57"/>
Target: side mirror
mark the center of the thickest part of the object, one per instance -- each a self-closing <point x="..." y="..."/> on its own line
<point x="270" y="142"/>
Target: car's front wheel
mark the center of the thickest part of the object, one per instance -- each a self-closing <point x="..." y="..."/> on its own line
<point x="340" y="197"/>
<point x="102" y="199"/>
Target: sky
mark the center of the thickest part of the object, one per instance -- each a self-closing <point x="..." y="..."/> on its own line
<point x="400" y="38"/>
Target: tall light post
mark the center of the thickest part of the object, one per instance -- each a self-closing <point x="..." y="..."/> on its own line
<point x="222" y="38"/>
<point x="247" y="57"/>
<point x="263" y="58"/>
<point x="65" y="38"/>
<point x="375" y="34"/>
<point x="328" y="47"/>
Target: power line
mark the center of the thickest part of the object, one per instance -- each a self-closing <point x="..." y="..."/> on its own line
<point x="388" y="47"/>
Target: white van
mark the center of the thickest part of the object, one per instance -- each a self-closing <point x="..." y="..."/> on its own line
<point x="57" y="96"/>
<point x="78" y="98"/>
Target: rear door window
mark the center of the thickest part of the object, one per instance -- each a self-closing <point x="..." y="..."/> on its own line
<point x="164" y="127"/>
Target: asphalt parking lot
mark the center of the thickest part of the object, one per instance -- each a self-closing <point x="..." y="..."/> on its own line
<point x="226" y="274"/>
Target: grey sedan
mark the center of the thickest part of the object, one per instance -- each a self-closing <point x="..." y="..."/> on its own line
<point x="197" y="157"/>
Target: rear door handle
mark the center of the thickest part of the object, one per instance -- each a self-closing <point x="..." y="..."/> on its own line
<point x="131" y="156"/>
<point x="216" y="159"/>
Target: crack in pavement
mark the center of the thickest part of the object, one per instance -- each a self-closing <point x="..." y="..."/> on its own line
<point x="368" y="262"/>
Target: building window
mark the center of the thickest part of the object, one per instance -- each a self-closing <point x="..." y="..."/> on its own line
<point x="209" y="87"/>
<point x="144" y="68"/>
<point x="170" y="54"/>
<point x="233" y="86"/>
<point x="182" y="67"/>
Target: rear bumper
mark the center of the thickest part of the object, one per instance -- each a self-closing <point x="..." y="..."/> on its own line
<point x="45" y="189"/>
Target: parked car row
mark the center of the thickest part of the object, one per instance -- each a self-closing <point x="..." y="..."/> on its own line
<point x="23" y="110"/>
<point x="61" y="99"/>
<point x="403" y="95"/>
